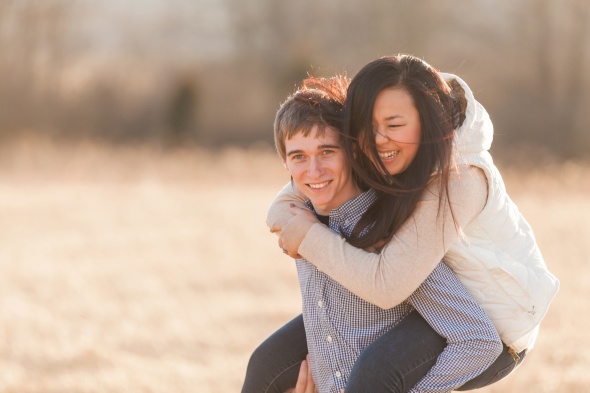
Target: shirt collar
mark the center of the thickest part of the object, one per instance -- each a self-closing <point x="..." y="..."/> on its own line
<point x="345" y="217"/>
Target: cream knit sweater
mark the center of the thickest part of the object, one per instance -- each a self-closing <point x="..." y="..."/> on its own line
<point x="388" y="278"/>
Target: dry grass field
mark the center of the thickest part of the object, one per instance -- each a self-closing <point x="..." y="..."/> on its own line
<point x="137" y="270"/>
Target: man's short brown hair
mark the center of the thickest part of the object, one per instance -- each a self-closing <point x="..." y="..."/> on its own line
<point x="319" y="102"/>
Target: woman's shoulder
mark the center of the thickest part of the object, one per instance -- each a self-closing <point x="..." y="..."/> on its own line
<point x="465" y="182"/>
<point x="467" y="173"/>
<point x="468" y="187"/>
<point x="467" y="178"/>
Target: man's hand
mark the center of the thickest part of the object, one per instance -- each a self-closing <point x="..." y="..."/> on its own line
<point x="305" y="382"/>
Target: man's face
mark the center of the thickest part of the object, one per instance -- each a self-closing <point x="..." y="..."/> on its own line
<point x="320" y="169"/>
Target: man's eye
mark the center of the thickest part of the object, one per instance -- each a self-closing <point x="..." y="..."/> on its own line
<point x="297" y="157"/>
<point x="328" y="152"/>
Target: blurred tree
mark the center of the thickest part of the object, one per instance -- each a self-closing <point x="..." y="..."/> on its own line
<point x="549" y="88"/>
<point x="33" y="40"/>
<point x="278" y="43"/>
<point x="182" y="112"/>
<point x="123" y="78"/>
<point x="569" y="76"/>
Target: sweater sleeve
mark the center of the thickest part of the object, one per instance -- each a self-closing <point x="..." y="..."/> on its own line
<point x="278" y="212"/>
<point x="388" y="278"/>
<point x="473" y="343"/>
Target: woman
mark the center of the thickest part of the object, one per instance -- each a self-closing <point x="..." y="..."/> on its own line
<point x="422" y="143"/>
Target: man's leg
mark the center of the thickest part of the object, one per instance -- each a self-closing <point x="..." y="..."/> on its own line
<point x="396" y="361"/>
<point x="274" y="365"/>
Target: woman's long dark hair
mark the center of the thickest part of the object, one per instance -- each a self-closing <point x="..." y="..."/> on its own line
<point x="441" y="111"/>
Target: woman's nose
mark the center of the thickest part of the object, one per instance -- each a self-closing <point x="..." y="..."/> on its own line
<point x="380" y="138"/>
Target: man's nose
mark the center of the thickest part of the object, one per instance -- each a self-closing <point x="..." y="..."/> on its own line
<point x="315" y="167"/>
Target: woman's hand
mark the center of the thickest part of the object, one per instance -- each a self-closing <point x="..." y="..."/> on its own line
<point x="295" y="229"/>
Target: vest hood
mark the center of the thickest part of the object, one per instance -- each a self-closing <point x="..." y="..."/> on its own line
<point x="477" y="132"/>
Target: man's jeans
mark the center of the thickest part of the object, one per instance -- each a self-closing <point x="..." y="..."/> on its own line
<point x="394" y="362"/>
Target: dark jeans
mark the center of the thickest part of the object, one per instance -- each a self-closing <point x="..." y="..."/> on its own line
<point x="394" y="362"/>
<point x="274" y="365"/>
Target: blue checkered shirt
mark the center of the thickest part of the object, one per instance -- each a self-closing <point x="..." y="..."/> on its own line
<point x="339" y="324"/>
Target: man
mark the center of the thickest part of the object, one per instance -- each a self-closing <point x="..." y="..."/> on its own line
<point x="341" y="329"/>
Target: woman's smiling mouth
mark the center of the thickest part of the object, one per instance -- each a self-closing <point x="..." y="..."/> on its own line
<point x="388" y="154"/>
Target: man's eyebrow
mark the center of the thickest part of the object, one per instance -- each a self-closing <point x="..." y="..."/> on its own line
<point x="328" y="146"/>
<point x="290" y="153"/>
<point x="325" y="146"/>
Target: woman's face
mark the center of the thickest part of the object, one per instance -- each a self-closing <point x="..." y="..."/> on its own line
<point x="397" y="129"/>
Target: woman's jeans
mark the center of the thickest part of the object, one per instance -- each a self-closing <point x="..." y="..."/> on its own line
<point x="395" y="362"/>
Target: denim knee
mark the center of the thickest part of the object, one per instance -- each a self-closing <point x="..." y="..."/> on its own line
<point x="274" y="364"/>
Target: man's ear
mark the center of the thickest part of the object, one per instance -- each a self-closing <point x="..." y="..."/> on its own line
<point x="285" y="165"/>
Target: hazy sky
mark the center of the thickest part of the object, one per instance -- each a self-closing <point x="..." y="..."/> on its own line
<point x="173" y="29"/>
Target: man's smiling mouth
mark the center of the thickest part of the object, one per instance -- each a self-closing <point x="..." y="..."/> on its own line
<point x="317" y="186"/>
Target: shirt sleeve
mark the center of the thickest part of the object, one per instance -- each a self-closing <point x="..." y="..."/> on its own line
<point x="473" y="343"/>
<point x="388" y="278"/>
<point x="278" y="212"/>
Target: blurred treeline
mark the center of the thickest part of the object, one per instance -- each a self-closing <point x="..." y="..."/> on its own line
<point x="213" y="72"/>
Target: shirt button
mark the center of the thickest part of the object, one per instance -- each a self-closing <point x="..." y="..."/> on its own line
<point x="337" y="374"/>
<point x="346" y="222"/>
<point x="329" y="338"/>
<point x="320" y="303"/>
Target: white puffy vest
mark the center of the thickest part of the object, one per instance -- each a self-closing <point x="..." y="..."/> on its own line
<point x="499" y="261"/>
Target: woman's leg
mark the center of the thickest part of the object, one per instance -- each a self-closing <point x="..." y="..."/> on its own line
<point x="503" y="366"/>
<point x="396" y="361"/>
<point x="399" y="359"/>
<point x="274" y="365"/>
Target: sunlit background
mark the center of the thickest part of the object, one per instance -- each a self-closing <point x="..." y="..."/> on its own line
<point x="137" y="162"/>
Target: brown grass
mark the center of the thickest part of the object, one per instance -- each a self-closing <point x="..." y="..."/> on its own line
<point x="137" y="270"/>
